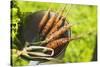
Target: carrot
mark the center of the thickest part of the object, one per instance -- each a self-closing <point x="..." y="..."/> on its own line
<point x="62" y="41"/>
<point x="56" y="27"/>
<point x="48" y="25"/>
<point x="57" y="43"/>
<point x="58" y="33"/>
<point x="44" y="20"/>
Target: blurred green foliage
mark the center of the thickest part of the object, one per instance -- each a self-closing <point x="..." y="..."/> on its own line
<point x="78" y="50"/>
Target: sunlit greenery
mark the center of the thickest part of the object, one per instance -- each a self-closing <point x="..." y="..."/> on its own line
<point x="78" y="50"/>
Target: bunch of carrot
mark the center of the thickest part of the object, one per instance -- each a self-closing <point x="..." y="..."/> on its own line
<point x="52" y="30"/>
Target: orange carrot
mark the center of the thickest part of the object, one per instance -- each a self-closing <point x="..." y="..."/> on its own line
<point x="44" y="20"/>
<point x="48" y="25"/>
<point x="57" y="43"/>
